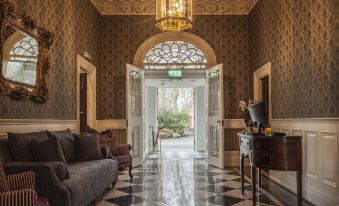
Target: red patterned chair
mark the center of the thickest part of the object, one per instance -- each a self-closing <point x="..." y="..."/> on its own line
<point x="19" y="189"/>
<point x="121" y="153"/>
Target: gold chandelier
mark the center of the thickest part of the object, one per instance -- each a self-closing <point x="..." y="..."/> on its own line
<point x="174" y="15"/>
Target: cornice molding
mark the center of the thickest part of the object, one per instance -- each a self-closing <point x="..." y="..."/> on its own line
<point x="201" y="7"/>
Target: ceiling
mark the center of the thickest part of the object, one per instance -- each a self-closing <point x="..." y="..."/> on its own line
<point x="200" y="7"/>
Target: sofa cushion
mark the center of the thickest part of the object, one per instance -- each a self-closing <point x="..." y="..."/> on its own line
<point x="20" y="145"/>
<point x="4" y="151"/>
<point x="66" y="141"/>
<point x="48" y="150"/>
<point x="89" y="179"/>
<point x="59" y="169"/>
<point x="123" y="159"/>
<point x="87" y="147"/>
<point x="110" y="142"/>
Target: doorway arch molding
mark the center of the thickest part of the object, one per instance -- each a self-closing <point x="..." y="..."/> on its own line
<point x="175" y="36"/>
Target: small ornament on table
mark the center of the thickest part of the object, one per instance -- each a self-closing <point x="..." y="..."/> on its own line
<point x="268" y="131"/>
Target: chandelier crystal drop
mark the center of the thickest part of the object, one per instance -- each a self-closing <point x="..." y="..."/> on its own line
<point x="174" y="15"/>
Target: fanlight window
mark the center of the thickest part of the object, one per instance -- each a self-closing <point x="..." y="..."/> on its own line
<point x="175" y="55"/>
<point x="26" y="50"/>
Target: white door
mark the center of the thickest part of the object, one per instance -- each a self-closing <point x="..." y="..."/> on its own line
<point x="135" y="113"/>
<point x="215" y="112"/>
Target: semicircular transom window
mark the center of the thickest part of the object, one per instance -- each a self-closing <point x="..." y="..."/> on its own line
<point x="175" y="55"/>
<point x="26" y="50"/>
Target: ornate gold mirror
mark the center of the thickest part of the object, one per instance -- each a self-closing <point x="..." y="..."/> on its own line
<point x="24" y="56"/>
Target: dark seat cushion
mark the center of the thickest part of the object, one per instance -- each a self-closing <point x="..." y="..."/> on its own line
<point x="66" y="141"/>
<point x="123" y="159"/>
<point x="87" y="148"/>
<point x="20" y="145"/>
<point x="89" y="179"/>
<point x="48" y="150"/>
<point x="59" y="169"/>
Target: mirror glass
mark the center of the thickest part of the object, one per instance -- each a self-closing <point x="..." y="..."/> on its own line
<point x="20" y="56"/>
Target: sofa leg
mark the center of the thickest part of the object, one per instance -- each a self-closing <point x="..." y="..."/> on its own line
<point x="130" y="171"/>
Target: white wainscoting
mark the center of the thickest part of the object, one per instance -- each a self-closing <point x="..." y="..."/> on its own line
<point x="320" y="159"/>
<point x="35" y="125"/>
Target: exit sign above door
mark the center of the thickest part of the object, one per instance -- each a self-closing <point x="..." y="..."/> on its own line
<point x="173" y="73"/>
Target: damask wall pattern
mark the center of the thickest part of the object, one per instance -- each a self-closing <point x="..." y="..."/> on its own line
<point x="122" y="35"/>
<point x="73" y="35"/>
<point x="301" y="40"/>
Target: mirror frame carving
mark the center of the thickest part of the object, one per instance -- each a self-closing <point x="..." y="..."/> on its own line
<point x="39" y="91"/>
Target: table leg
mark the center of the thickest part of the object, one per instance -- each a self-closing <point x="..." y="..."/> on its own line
<point x="259" y="178"/>
<point x="299" y="187"/>
<point x="242" y="173"/>
<point x="253" y="177"/>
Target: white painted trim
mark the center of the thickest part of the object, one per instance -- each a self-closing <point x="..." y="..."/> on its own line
<point x="112" y="124"/>
<point x="233" y="123"/>
<point x="260" y="73"/>
<point x="84" y="66"/>
<point x="321" y="185"/>
<point x="35" y="125"/>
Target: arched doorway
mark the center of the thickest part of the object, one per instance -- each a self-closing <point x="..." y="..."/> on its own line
<point x="196" y="60"/>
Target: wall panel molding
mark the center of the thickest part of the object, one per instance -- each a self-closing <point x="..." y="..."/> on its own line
<point x="35" y="125"/>
<point x="320" y="158"/>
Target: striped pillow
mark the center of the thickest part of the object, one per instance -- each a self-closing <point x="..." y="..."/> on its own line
<point x="4" y="187"/>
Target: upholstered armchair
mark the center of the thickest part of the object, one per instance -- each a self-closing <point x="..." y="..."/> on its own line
<point x="120" y="153"/>
<point x="19" y="189"/>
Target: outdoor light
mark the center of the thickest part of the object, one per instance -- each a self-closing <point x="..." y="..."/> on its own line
<point x="174" y="15"/>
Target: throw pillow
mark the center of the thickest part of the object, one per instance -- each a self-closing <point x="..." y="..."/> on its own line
<point x="20" y="145"/>
<point x="48" y="150"/>
<point x="66" y="141"/>
<point x="87" y="147"/>
<point x="4" y="186"/>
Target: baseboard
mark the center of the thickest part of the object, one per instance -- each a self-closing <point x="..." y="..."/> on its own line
<point x="34" y="125"/>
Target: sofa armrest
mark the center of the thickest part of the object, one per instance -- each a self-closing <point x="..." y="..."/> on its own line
<point x="47" y="183"/>
<point x="124" y="149"/>
<point x="25" y="197"/>
<point x="104" y="151"/>
<point x="21" y="181"/>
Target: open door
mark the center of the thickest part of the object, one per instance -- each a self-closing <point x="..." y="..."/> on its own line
<point x="215" y="112"/>
<point x="135" y="112"/>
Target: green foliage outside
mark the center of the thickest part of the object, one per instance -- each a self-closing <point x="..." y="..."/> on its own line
<point x="174" y="121"/>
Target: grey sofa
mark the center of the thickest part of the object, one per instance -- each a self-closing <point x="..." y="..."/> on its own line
<point x="87" y="180"/>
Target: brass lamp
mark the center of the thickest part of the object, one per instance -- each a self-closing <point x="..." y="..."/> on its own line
<point x="174" y="15"/>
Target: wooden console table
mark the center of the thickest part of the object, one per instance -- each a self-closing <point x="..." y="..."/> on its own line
<point x="282" y="153"/>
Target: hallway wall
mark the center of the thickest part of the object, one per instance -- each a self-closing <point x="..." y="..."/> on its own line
<point x="76" y="26"/>
<point x="122" y="35"/>
<point x="301" y="39"/>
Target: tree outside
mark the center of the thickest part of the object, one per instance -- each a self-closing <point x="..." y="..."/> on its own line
<point x="175" y="111"/>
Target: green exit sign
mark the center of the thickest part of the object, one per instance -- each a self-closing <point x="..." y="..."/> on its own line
<point x="174" y="73"/>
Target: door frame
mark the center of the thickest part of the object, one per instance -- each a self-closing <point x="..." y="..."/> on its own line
<point x="84" y="66"/>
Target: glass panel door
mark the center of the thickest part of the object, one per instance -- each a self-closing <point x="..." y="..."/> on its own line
<point x="135" y="112"/>
<point x="215" y="116"/>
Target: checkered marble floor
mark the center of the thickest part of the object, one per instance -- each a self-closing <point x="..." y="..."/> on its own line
<point x="180" y="179"/>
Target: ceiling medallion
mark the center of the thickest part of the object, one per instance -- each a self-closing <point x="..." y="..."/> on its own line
<point x="174" y="15"/>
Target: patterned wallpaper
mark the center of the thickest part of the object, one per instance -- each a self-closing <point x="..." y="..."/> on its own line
<point x="73" y="34"/>
<point x="122" y="35"/>
<point x="301" y="40"/>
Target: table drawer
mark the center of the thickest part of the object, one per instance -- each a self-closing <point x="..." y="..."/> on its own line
<point x="245" y="143"/>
